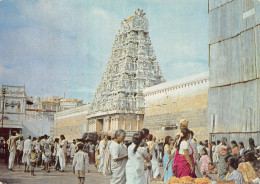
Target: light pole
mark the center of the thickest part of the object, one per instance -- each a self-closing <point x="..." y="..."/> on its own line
<point x="3" y="104"/>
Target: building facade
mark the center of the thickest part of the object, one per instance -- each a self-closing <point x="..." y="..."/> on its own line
<point x="119" y="101"/>
<point x="30" y="115"/>
<point x="167" y="103"/>
<point x="13" y="104"/>
<point x="234" y="100"/>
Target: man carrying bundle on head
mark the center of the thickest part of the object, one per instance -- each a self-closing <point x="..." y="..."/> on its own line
<point x="12" y="149"/>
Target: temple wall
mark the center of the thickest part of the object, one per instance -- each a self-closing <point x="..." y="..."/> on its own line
<point x="166" y="104"/>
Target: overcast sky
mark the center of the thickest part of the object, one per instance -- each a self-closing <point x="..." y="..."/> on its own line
<point x="44" y="42"/>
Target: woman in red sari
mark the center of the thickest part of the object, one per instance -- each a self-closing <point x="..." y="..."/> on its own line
<point x="183" y="162"/>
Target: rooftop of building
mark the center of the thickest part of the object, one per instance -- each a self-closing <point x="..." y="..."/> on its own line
<point x="178" y="82"/>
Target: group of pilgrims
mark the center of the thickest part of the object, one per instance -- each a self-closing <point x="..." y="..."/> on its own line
<point x="139" y="161"/>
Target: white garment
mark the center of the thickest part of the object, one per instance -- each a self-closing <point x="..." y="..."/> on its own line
<point x="11" y="159"/>
<point x="118" y="168"/>
<point x="256" y="181"/>
<point x="12" y="142"/>
<point x="213" y="148"/>
<point x="72" y="150"/>
<point x="12" y="149"/>
<point x="135" y="165"/>
<point x="185" y="145"/>
<point x="43" y="141"/>
<point x="200" y="147"/>
<point x="19" y="145"/>
<point x="102" y="156"/>
<point x="241" y="151"/>
<point x="27" y="146"/>
<point x="62" y="155"/>
<point x="80" y="161"/>
<point x="26" y="158"/>
<point x="195" y="149"/>
<point x="106" y="167"/>
<point x="154" y="161"/>
<point x="236" y="176"/>
<point x="37" y="147"/>
<point x="101" y="146"/>
<point x="27" y="151"/>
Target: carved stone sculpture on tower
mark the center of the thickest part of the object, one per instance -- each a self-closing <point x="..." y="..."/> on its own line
<point x="131" y="67"/>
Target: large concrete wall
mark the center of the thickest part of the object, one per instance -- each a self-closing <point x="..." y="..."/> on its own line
<point x="71" y="123"/>
<point x="166" y="104"/>
<point x="35" y="128"/>
<point x="234" y="37"/>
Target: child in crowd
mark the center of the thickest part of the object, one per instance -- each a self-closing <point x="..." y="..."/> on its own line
<point x="33" y="161"/>
<point x="204" y="162"/>
<point x="47" y="157"/>
<point x="80" y="163"/>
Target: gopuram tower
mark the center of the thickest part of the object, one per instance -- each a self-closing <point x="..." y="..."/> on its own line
<point x="132" y="66"/>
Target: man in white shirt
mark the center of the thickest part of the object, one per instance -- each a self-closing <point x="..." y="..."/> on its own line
<point x="27" y="153"/>
<point x="80" y="163"/>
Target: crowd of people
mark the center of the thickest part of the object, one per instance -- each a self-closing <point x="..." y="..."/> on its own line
<point x="139" y="161"/>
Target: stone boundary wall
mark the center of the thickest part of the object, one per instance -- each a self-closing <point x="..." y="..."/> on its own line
<point x="167" y="103"/>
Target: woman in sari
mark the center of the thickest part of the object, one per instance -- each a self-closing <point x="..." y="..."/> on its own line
<point x="118" y="152"/>
<point x="147" y="165"/>
<point x="183" y="162"/>
<point x="135" y="164"/>
<point x="166" y="157"/>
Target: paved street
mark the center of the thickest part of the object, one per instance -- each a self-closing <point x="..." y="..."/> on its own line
<point x="18" y="176"/>
<point x="56" y="177"/>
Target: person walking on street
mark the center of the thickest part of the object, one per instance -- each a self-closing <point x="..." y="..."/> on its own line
<point x="27" y="153"/>
<point x="80" y="163"/>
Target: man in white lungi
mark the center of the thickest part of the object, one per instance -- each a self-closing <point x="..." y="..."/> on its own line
<point x="27" y="153"/>
<point x="62" y="151"/>
<point x="12" y="149"/>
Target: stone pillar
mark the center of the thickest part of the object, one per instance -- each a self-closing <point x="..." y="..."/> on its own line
<point x="106" y="123"/>
<point x="137" y="122"/>
<point x="130" y="123"/>
<point x="117" y="121"/>
<point x="124" y="122"/>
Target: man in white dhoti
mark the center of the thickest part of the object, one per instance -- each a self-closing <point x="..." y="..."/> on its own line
<point x="107" y="158"/>
<point x="118" y="152"/>
<point x="12" y="149"/>
<point x="102" y="147"/>
<point x="27" y="153"/>
<point x="62" y="151"/>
